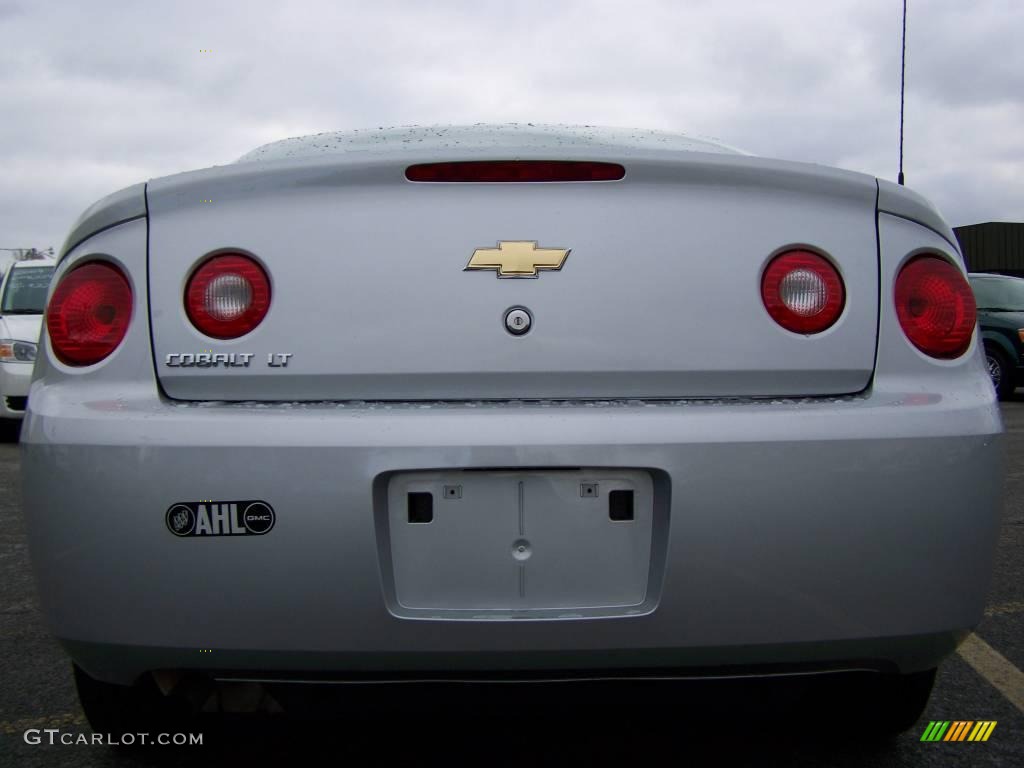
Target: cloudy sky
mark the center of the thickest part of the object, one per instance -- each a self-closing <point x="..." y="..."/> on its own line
<point x="96" y="96"/>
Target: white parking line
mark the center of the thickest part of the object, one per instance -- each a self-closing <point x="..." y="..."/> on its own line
<point x="995" y="668"/>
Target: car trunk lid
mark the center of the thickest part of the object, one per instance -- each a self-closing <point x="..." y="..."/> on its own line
<point x="375" y="295"/>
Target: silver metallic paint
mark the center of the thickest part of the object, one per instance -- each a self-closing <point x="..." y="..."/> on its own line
<point x="908" y="204"/>
<point x="122" y="206"/>
<point x="816" y="530"/>
<point x="659" y="264"/>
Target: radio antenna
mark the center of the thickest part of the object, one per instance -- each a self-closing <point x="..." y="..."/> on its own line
<point x="903" y="74"/>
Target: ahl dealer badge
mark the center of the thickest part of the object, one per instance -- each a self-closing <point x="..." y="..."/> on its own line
<point x="220" y="518"/>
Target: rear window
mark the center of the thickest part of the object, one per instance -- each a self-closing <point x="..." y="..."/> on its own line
<point x="998" y="293"/>
<point x="25" y="292"/>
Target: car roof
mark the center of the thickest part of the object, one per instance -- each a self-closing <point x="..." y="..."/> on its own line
<point x="505" y="137"/>
<point x="34" y="263"/>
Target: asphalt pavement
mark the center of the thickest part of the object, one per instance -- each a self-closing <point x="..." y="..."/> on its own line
<point x="981" y="682"/>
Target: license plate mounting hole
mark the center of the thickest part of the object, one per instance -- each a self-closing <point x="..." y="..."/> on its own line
<point x="620" y="505"/>
<point x="421" y="507"/>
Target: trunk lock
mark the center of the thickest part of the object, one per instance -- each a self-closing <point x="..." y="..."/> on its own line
<point x="518" y="320"/>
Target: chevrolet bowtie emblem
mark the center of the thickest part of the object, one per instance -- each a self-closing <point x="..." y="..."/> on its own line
<point x="517" y="258"/>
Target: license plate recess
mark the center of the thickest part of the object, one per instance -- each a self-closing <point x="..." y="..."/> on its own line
<point x="520" y="540"/>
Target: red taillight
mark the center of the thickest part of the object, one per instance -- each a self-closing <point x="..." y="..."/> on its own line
<point x="935" y="306"/>
<point x="227" y="296"/>
<point x="802" y="291"/>
<point x="89" y="312"/>
<point x="515" y="170"/>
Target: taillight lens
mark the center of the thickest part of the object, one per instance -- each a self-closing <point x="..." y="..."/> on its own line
<point x="89" y="312"/>
<point x="227" y="296"/>
<point x="935" y="306"/>
<point x="802" y="291"/>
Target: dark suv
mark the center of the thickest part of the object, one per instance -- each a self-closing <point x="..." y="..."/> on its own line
<point x="1000" y="300"/>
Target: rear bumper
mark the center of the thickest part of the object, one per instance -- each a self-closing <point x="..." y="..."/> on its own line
<point x="837" y="532"/>
<point x="15" y="379"/>
<point x="121" y="663"/>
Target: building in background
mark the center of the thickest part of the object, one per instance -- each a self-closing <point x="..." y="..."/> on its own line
<point x="995" y="246"/>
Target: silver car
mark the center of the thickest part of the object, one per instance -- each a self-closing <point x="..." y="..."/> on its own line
<point x="525" y="402"/>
